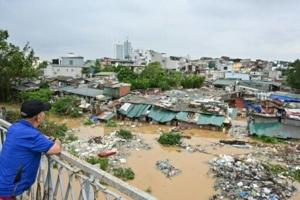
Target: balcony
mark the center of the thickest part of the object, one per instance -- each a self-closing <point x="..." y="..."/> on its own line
<point x="66" y="177"/>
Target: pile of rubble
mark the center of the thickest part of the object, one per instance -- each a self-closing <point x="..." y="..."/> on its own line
<point x="166" y="168"/>
<point x="93" y="146"/>
<point x="245" y="177"/>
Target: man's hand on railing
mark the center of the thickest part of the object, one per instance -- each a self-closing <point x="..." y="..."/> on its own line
<point x="56" y="148"/>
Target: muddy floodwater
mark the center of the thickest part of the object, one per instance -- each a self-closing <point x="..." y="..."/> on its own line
<point x="193" y="183"/>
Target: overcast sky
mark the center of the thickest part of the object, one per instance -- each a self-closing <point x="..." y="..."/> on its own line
<point x="267" y="29"/>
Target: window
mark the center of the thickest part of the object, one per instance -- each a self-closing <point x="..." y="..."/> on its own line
<point x="70" y="62"/>
<point x="72" y="70"/>
<point x="67" y="70"/>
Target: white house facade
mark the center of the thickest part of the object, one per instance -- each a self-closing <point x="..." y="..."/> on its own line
<point x="70" y="66"/>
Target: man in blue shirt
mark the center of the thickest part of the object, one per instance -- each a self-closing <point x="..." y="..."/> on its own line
<point x="21" y="153"/>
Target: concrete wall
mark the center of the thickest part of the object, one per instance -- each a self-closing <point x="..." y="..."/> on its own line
<point x="54" y="71"/>
<point x="233" y="75"/>
<point x="72" y="61"/>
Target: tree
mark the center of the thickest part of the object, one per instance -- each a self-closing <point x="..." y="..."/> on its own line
<point x="192" y="81"/>
<point x="15" y="64"/>
<point x="67" y="105"/>
<point x="43" y="95"/>
<point x="293" y="75"/>
<point x="125" y="74"/>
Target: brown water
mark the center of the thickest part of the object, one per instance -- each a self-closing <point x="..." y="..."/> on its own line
<point x="194" y="182"/>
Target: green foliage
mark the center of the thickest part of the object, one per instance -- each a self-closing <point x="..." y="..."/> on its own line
<point x="293" y="75"/>
<point x="154" y="76"/>
<point x="12" y="116"/>
<point x="88" y="122"/>
<point x="15" y="64"/>
<point x="125" y="134"/>
<point x="103" y="162"/>
<point x="53" y="129"/>
<point x="67" y="106"/>
<point x="295" y="175"/>
<point x="43" y="95"/>
<point x="43" y="65"/>
<point x="281" y="170"/>
<point x="268" y="139"/>
<point x="170" y="138"/>
<point x="125" y="74"/>
<point x="124" y="173"/>
<point x="192" y="81"/>
<point x="111" y="123"/>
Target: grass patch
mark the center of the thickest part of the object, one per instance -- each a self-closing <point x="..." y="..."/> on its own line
<point x="111" y="123"/>
<point x="295" y="175"/>
<point x="278" y="169"/>
<point x="103" y="162"/>
<point x="124" y="173"/>
<point x="125" y="134"/>
<point x="275" y="169"/>
<point x="268" y="139"/>
<point x="88" y="122"/>
<point x="170" y="138"/>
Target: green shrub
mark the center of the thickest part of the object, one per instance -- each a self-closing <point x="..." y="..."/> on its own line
<point x="171" y="138"/>
<point x="88" y="122"/>
<point x="43" y="95"/>
<point x="53" y="129"/>
<point x="111" y="123"/>
<point x="124" y="173"/>
<point x="103" y="162"/>
<point x="268" y="139"/>
<point x="125" y="134"/>
<point x="68" y="106"/>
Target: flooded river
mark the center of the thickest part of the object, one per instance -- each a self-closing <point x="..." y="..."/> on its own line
<point x="194" y="182"/>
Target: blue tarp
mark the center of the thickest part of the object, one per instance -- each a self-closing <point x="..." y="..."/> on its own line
<point x="284" y="98"/>
<point x="161" y="115"/>
<point x="256" y="107"/>
<point x="215" y="120"/>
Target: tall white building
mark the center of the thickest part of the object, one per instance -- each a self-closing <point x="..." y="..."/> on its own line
<point x="119" y="48"/>
<point x="69" y="65"/>
<point x="127" y="50"/>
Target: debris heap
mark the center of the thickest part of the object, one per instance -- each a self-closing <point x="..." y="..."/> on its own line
<point x="92" y="146"/>
<point x="166" y="168"/>
<point x="247" y="178"/>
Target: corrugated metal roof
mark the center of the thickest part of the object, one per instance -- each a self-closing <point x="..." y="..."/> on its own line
<point x="83" y="91"/>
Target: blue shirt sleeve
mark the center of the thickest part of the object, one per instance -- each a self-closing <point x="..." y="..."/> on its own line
<point x="41" y="144"/>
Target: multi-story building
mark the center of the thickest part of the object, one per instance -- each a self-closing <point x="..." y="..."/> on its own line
<point x="127" y="50"/>
<point x="69" y="65"/>
<point x="119" y="51"/>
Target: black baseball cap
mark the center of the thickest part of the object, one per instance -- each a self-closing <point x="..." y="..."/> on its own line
<point x="33" y="107"/>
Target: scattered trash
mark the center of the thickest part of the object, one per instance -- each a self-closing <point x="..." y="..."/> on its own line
<point x="166" y="168"/>
<point x="245" y="177"/>
<point x="233" y="142"/>
<point x="107" y="153"/>
<point x="113" y="147"/>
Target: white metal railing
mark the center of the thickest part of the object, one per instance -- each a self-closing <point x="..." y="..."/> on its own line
<point x="64" y="176"/>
